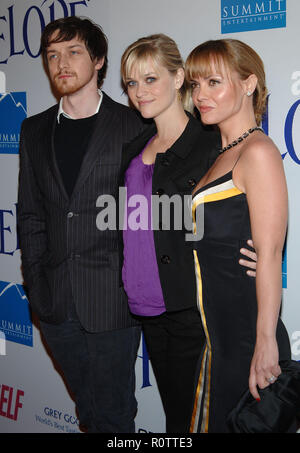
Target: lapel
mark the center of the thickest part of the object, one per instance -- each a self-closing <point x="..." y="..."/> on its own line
<point x="97" y="144"/>
<point x="99" y="139"/>
<point x="173" y="162"/>
<point x="48" y="147"/>
<point x="193" y="135"/>
<point x="131" y="150"/>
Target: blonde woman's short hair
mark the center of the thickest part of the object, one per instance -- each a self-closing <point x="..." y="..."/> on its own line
<point x="233" y="55"/>
<point x="160" y="48"/>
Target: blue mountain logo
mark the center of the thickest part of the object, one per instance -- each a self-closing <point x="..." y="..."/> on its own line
<point x="12" y="113"/>
<point x="15" y="319"/>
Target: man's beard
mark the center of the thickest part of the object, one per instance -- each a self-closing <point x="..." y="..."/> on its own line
<point x="66" y="86"/>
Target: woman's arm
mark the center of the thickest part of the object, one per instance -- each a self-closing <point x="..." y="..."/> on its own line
<point x="262" y="176"/>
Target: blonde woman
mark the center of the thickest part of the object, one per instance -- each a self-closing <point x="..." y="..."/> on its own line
<point x="244" y="194"/>
<point x="158" y="264"/>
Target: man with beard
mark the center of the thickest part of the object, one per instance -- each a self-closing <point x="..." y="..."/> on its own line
<point x="69" y="155"/>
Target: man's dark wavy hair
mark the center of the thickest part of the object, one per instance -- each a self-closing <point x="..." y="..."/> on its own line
<point x="81" y="28"/>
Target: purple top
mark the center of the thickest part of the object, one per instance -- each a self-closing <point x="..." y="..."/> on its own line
<point x="140" y="270"/>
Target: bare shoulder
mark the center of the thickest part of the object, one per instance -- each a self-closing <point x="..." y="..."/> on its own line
<point x="260" y="150"/>
<point x="260" y="163"/>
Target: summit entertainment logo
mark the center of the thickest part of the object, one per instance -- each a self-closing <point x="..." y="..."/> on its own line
<point x="12" y="112"/>
<point x="15" y="317"/>
<point x="248" y="15"/>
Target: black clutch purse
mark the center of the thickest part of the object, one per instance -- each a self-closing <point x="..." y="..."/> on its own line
<point x="278" y="410"/>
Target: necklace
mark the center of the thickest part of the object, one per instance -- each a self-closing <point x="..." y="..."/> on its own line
<point x="240" y="139"/>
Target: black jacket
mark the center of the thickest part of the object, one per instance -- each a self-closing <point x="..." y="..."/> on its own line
<point x="176" y="171"/>
<point x="65" y="257"/>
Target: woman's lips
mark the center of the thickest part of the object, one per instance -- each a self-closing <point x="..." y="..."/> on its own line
<point x="205" y="109"/>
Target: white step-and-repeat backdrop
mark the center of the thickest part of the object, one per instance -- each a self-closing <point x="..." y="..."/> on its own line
<point x="33" y="396"/>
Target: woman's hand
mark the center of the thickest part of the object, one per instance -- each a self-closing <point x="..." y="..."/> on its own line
<point x="264" y="368"/>
<point x="251" y="262"/>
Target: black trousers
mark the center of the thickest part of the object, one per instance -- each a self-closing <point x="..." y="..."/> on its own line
<point x="99" y="369"/>
<point x="174" y="342"/>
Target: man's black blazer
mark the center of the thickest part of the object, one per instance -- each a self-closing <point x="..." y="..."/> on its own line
<point x="176" y="171"/>
<point x="65" y="257"/>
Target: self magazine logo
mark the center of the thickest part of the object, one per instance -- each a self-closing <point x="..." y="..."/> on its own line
<point x="12" y="113"/>
<point x="249" y="15"/>
<point x="11" y="401"/>
<point x="15" y="319"/>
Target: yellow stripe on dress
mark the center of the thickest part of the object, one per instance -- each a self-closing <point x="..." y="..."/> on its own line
<point x="202" y="398"/>
<point x="199" y="393"/>
<point x="215" y="193"/>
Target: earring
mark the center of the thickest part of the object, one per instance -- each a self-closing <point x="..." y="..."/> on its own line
<point x="249" y="93"/>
